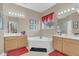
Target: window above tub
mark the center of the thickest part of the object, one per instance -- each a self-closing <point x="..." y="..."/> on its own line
<point x="34" y="25"/>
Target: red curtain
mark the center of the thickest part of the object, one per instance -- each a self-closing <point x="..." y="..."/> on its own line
<point x="48" y="18"/>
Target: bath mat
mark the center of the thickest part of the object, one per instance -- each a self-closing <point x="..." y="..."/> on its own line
<point x="17" y="52"/>
<point x="38" y="49"/>
<point x="56" y="53"/>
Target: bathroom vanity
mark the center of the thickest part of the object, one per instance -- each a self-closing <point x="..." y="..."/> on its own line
<point x="68" y="45"/>
<point x="13" y="42"/>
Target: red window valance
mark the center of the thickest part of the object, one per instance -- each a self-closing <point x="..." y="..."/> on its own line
<point x="48" y="18"/>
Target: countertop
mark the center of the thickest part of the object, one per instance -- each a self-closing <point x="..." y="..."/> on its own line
<point x="12" y="34"/>
<point x="75" y="37"/>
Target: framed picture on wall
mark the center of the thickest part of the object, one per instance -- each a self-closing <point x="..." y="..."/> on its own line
<point x="1" y="21"/>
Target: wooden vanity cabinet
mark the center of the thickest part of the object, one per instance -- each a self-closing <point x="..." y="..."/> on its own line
<point x="14" y="42"/>
<point x="57" y="43"/>
<point x="9" y="44"/>
<point x="67" y="46"/>
<point x="71" y="47"/>
<point x="21" y="42"/>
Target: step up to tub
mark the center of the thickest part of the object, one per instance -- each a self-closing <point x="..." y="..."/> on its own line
<point x="38" y="49"/>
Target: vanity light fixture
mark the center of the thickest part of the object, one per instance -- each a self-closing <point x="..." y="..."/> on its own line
<point x="65" y="11"/>
<point x="16" y="14"/>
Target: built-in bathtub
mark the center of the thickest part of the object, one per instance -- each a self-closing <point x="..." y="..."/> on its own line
<point x="43" y="42"/>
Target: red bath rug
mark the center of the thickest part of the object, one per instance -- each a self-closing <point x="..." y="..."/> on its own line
<point x="17" y="52"/>
<point x="56" y="53"/>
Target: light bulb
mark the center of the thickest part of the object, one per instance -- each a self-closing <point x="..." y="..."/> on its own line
<point x="62" y="12"/>
<point x="72" y="8"/>
<point x="9" y="13"/>
<point x="68" y="10"/>
<point x="65" y="11"/>
<point x="15" y="14"/>
<point x="12" y="13"/>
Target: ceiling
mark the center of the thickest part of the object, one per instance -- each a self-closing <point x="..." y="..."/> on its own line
<point x="39" y="7"/>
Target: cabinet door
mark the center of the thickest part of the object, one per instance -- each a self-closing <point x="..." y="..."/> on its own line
<point x="22" y="42"/>
<point x="57" y="43"/>
<point x="10" y="44"/>
<point x="71" y="47"/>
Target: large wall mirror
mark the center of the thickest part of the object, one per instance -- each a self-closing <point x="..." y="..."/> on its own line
<point x="12" y="25"/>
<point x="1" y="22"/>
